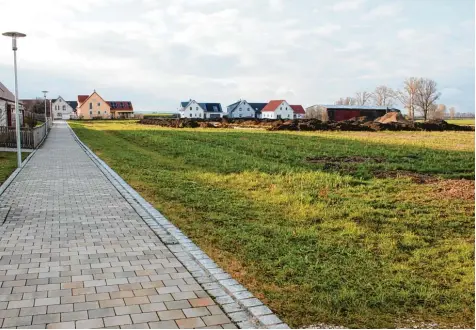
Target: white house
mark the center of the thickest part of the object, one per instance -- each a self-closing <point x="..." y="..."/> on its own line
<point x="62" y="109"/>
<point x="243" y="109"/>
<point x="193" y="109"/>
<point x="299" y="112"/>
<point x="277" y="109"/>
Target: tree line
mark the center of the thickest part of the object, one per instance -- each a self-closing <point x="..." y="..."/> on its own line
<point x="418" y="95"/>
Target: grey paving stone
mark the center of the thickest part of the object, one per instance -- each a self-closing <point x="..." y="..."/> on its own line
<point x="10" y="322"/>
<point x="90" y="324"/>
<point x="163" y="325"/>
<point x="47" y="318"/>
<point x="117" y="320"/>
<point x="134" y="309"/>
<point x="144" y="317"/>
<point x="102" y="312"/>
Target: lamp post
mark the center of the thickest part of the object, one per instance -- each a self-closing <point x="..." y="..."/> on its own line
<point x="46" y="118"/>
<point x="14" y="36"/>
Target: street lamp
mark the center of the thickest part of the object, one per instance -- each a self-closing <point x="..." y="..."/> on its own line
<point x="46" y="118"/>
<point x="14" y="36"/>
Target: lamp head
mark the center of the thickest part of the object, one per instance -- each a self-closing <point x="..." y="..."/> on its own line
<point x="14" y="36"/>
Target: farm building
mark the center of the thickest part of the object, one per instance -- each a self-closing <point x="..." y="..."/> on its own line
<point x="345" y="112"/>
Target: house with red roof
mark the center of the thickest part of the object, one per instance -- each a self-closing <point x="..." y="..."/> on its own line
<point x="277" y="109"/>
<point x="94" y="106"/>
<point x="299" y="112"/>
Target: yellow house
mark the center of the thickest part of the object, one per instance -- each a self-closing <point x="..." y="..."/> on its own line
<point x="93" y="106"/>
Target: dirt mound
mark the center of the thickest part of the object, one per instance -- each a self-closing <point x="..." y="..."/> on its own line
<point x="392" y="117"/>
<point x="441" y="125"/>
<point x="392" y="121"/>
<point x="457" y="189"/>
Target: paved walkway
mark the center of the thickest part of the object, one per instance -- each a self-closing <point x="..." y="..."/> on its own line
<point x="74" y="253"/>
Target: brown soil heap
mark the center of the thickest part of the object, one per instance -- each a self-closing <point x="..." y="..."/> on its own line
<point x="392" y="121"/>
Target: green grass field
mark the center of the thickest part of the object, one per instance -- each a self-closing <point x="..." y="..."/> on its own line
<point x="469" y="122"/>
<point x="8" y="164"/>
<point x="355" y="229"/>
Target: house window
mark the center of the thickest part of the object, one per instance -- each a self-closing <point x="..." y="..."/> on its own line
<point x="90" y="112"/>
<point x="90" y="105"/>
<point x="105" y="112"/>
<point x="99" y="112"/>
<point x="196" y="109"/>
<point x="64" y="108"/>
<point x="190" y="115"/>
<point x="190" y="108"/>
<point x="99" y="104"/>
<point x="240" y="109"/>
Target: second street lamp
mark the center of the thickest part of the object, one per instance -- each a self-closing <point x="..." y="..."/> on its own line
<point x="46" y="118"/>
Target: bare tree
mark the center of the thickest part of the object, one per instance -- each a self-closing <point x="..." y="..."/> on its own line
<point x="345" y="101"/>
<point x="440" y="112"/>
<point x="426" y="96"/>
<point x="362" y="98"/>
<point x="407" y="96"/>
<point x="383" y="96"/>
<point x="316" y="112"/>
<point x="452" y="112"/>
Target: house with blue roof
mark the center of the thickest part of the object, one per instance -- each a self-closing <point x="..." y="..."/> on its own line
<point x="243" y="109"/>
<point x="193" y="109"/>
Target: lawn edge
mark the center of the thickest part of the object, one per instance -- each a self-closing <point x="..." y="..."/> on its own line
<point x="241" y="306"/>
<point x="14" y="174"/>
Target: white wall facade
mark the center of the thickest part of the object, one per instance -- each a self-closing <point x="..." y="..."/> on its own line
<point x="243" y="110"/>
<point x="192" y="110"/>
<point x="3" y="113"/>
<point x="283" y="111"/>
<point x="299" y="115"/>
<point x="61" y="109"/>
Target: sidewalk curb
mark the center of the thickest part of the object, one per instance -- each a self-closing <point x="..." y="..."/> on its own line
<point x="245" y="310"/>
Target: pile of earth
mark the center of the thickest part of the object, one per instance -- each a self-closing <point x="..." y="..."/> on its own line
<point x="392" y="121"/>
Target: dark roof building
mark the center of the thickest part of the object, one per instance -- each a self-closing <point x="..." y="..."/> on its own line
<point x="120" y="105"/>
<point x="337" y="112"/>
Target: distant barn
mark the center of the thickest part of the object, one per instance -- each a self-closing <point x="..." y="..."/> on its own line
<point x="345" y="112"/>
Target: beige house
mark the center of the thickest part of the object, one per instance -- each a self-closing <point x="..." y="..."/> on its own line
<point x="92" y="106"/>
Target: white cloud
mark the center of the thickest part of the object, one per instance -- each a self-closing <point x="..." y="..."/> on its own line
<point x="382" y="11"/>
<point x="347" y="5"/>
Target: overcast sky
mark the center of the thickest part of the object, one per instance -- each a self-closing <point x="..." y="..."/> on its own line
<point x="159" y="52"/>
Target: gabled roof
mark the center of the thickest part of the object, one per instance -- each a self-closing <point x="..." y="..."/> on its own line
<point x="120" y="105"/>
<point x="298" y="109"/>
<point x="73" y="104"/>
<point x="272" y="105"/>
<point x="82" y="98"/>
<point x="211" y="107"/>
<point x="5" y="94"/>
<point x="233" y="106"/>
<point x="257" y="106"/>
